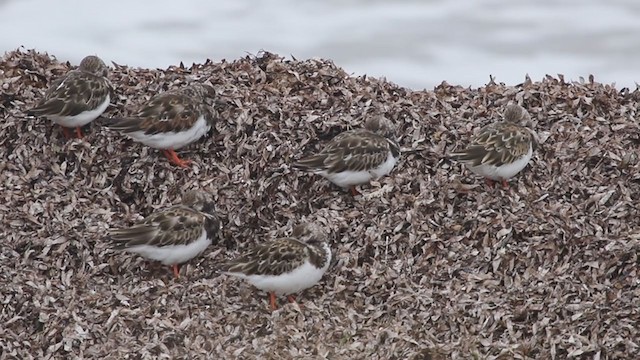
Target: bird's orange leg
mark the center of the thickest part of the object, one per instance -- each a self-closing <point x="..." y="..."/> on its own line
<point x="176" y="270"/>
<point x="505" y="184"/>
<point x="292" y="299"/>
<point x="272" y="298"/>
<point x="66" y="132"/>
<point x="174" y="159"/>
<point x="354" y="191"/>
<point x="489" y="182"/>
<point x="79" y="132"/>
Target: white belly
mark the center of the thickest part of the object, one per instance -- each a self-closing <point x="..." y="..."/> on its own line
<point x="505" y="171"/>
<point x="173" y="140"/>
<point x="173" y="254"/>
<point x="351" y="178"/>
<point x="81" y="119"/>
<point x="299" y="279"/>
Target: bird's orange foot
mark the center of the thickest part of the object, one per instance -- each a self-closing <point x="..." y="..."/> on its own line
<point x="292" y="299"/>
<point x="353" y="191"/>
<point x="67" y="133"/>
<point x="174" y="159"/>
<point x="490" y="183"/>
<point x="176" y="270"/>
<point x="505" y="184"/>
<point x="272" y="298"/>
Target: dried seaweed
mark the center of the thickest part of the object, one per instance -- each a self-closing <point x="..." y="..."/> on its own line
<point x="430" y="262"/>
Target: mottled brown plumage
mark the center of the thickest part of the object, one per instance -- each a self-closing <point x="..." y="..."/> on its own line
<point x="355" y="150"/>
<point x="355" y="157"/>
<point x="163" y="235"/>
<point x="75" y="99"/>
<point x="171" y="120"/>
<point x="501" y="149"/>
<point x="286" y="265"/>
<point x="175" y="110"/>
<point x="282" y="255"/>
<point x="497" y="144"/>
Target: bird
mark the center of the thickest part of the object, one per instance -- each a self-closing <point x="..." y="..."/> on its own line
<point x="501" y="149"/>
<point x="286" y="265"/>
<point x="77" y="98"/>
<point x="355" y="157"/>
<point x="170" y="120"/>
<point x="174" y="235"/>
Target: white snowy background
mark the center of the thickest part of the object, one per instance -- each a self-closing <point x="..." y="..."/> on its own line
<point x="414" y="43"/>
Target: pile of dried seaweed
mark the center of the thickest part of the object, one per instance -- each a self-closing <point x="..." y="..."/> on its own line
<point x="431" y="263"/>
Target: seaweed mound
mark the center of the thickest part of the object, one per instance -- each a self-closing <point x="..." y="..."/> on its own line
<point x="430" y="262"/>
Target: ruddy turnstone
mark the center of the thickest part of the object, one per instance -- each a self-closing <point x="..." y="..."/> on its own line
<point x="357" y="156"/>
<point x="502" y="149"/>
<point x="174" y="235"/>
<point x="287" y="265"/>
<point x="171" y="120"/>
<point x="77" y="98"/>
